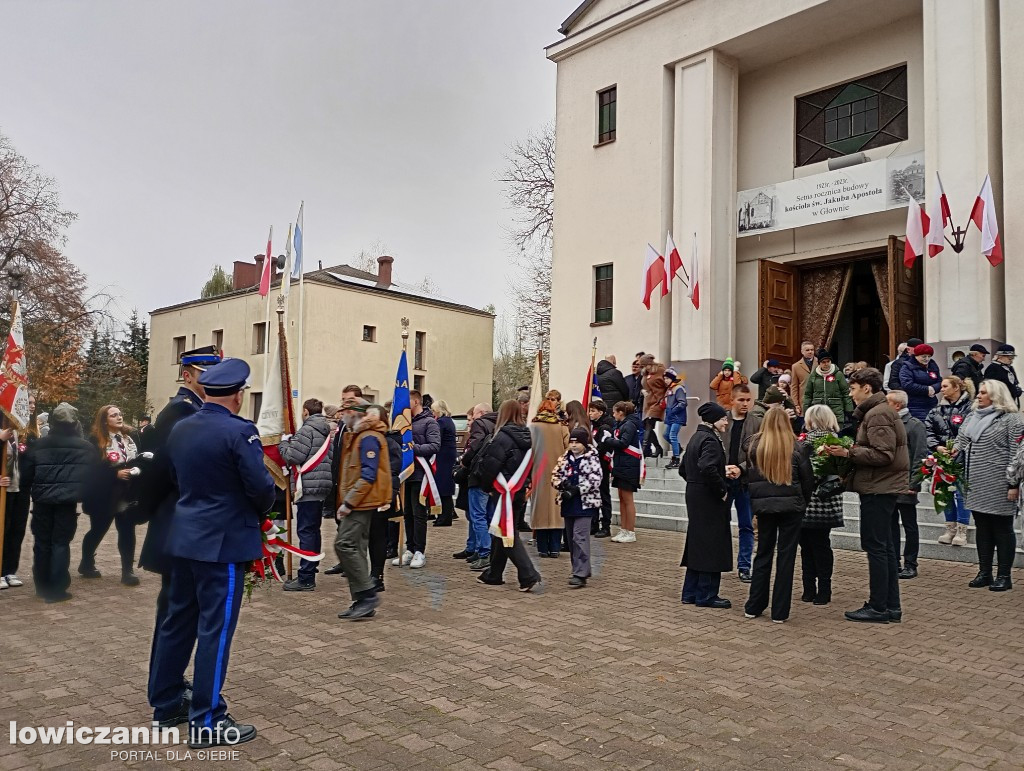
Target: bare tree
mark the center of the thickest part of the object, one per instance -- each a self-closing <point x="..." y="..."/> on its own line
<point x="513" y="364"/>
<point x="366" y="259"/>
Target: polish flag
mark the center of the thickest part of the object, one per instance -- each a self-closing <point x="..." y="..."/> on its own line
<point x="675" y="262"/>
<point x="917" y="228"/>
<point x="693" y="292"/>
<point x="268" y="270"/>
<point x="984" y="216"/>
<point x="939" y="217"/>
<point x="654" y="274"/>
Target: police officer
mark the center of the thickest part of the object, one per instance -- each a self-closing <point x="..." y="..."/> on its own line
<point x="224" y="491"/>
<point x="159" y="492"/>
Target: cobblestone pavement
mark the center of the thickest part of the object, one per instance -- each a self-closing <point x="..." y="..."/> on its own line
<point x="455" y="674"/>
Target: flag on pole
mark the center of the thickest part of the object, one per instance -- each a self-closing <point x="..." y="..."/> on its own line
<point x="286" y="284"/>
<point x="654" y="274"/>
<point x="297" y="265"/>
<point x="268" y="268"/>
<point x="593" y="390"/>
<point x="276" y="418"/>
<point x="401" y="417"/>
<point x="14" y="373"/>
<point x="536" y="394"/>
<point x="675" y="262"/>
<point x="938" y="218"/>
<point x="917" y="228"/>
<point x="693" y="292"/>
<point x="984" y="216"/>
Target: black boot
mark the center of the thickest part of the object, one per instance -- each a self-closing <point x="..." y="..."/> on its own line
<point x="810" y="590"/>
<point x="824" y="595"/>
<point x="1001" y="584"/>
<point x="984" y="578"/>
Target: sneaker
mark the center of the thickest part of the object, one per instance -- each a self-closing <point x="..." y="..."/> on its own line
<point x="908" y="572"/>
<point x="227" y="732"/>
<point x="617" y="538"/>
<point x="481" y="564"/>
<point x="602" y="533"/>
<point x="3" y="582"/>
<point x="744" y="576"/>
<point x="129" y="579"/>
<point x="295" y="585"/>
<point x="778" y="621"/>
<point x="418" y="560"/>
<point x="404" y="560"/>
<point x="628" y="537"/>
<point x="577" y="583"/>
<point x="13" y="580"/>
<point x="750" y="615"/>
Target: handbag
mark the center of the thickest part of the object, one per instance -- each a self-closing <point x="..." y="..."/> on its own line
<point x="829" y="487"/>
<point x="460" y="474"/>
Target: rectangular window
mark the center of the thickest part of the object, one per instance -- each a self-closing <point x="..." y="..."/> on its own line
<point x="606" y="101"/>
<point x="369" y="334"/>
<point x="218" y="339"/>
<point x="602" y="294"/>
<point x="417" y="383"/>
<point x="259" y="337"/>
<point x="257" y="405"/>
<point x="193" y="341"/>
<point x="420" y="352"/>
<point x="179" y="348"/>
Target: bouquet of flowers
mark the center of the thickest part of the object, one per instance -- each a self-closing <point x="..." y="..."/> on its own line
<point x="263" y="570"/>
<point x="830" y="465"/>
<point x="943" y="475"/>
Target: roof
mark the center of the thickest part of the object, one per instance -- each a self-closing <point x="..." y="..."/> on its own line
<point x="350" y="278"/>
<point x="580" y="11"/>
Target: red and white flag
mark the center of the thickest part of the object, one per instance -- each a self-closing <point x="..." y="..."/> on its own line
<point x="984" y="216"/>
<point x="654" y="274"/>
<point x="268" y="269"/>
<point x="917" y="228"/>
<point x="938" y="218"/>
<point x="14" y="374"/>
<point x="694" y="291"/>
<point x="675" y="262"/>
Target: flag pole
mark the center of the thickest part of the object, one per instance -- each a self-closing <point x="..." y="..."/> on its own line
<point x="266" y="336"/>
<point x="401" y="487"/>
<point x="289" y="418"/>
<point x="301" y="227"/>
<point x="3" y="452"/>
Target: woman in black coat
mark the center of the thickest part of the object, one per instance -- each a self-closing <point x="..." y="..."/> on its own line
<point x="708" y="550"/>
<point x="780" y="481"/>
<point x="446" y="458"/>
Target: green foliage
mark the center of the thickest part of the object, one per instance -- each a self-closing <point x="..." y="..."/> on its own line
<point x="219" y="283"/>
<point x="115" y="373"/>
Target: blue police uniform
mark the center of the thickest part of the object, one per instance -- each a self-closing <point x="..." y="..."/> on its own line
<point x="224" y="489"/>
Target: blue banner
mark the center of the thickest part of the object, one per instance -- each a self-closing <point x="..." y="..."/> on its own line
<point x="401" y="417"/>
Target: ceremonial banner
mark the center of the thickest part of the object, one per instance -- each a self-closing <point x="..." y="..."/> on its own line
<point x="401" y="417"/>
<point x="14" y="374"/>
<point x="276" y="417"/>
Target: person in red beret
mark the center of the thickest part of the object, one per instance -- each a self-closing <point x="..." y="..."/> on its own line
<point x="921" y="379"/>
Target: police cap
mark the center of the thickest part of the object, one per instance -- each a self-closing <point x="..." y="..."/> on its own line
<point x="226" y="378"/>
<point x="201" y="358"/>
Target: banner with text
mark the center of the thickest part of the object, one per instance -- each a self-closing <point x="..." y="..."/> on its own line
<point x="834" y="195"/>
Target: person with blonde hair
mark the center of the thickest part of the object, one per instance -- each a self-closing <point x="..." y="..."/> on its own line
<point x="550" y="439"/>
<point x="779" y="477"/>
<point x="823" y="513"/>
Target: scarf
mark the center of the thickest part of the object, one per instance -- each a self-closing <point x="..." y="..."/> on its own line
<point x="546" y="417"/>
<point x="977" y="422"/>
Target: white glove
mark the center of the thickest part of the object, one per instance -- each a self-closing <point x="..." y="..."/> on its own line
<point x="146" y="456"/>
<point x="285" y="436"/>
<point x="135" y="471"/>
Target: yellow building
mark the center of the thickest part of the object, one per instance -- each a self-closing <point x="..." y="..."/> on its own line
<point x="351" y="334"/>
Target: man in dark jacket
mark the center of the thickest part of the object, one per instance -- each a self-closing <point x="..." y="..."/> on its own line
<point x="767" y="376"/>
<point x="55" y="471"/>
<point x="611" y="382"/>
<point x="635" y="386"/>
<point x="744" y="421"/>
<point x="1001" y="369"/>
<point x="478" y="540"/>
<point x="426" y="438"/>
<point x="310" y="445"/>
<point x="881" y="464"/>
<point x="970" y="366"/>
<point x="906" y="503"/>
<point x="604" y="429"/>
<point x="897" y="365"/>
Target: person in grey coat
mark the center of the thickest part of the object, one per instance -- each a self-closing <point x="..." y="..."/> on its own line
<point x="985" y="446"/>
<point x="426" y="439"/>
<point x="311" y="441"/>
<point x="906" y="503"/>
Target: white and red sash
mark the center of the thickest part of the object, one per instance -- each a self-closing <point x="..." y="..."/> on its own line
<point x="503" y="522"/>
<point x="315" y="460"/>
<point x="429" y="494"/>
<point x="273" y="545"/>
<point x="637" y="453"/>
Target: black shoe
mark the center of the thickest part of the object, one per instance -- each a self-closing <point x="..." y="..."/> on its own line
<point x="529" y="584"/>
<point x="364" y="608"/>
<point x="868" y="615"/>
<point x="744" y="576"/>
<point x="337" y="570"/>
<point x="603" y="533"/>
<point x="577" y="583"/>
<point x="129" y="579"/>
<point x="674" y="463"/>
<point x="442" y="522"/>
<point x="226" y="733"/>
<point x="485" y="578"/>
<point x="895" y="615"/>
<point x="689" y="602"/>
<point x="50" y="599"/>
<point x="908" y="572"/>
<point x="431" y="517"/>
<point x="180" y="716"/>
<point x="808" y="595"/>
<point x="553" y="555"/>
<point x="718" y="602"/>
<point x="296" y="585"/>
<point x="86" y="571"/>
<point x="823" y="598"/>
<point x="465" y="554"/>
<point x="980" y="580"/>
<point x="1001" y="584"/>
<point x="481" y="564"/>
<point x="391" y="554"/>
<point x="542" y="554"/>
<point x="378" y="585"/>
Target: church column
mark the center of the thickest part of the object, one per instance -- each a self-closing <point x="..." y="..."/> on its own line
<point x="1011" y="33"/>
<point x="964" y="297"/>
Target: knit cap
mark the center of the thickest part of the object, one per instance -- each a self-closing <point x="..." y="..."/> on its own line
<point x="728" y="364"/>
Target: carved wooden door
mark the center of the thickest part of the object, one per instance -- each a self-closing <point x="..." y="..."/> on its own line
<point x="778" y="312"/>
<point x="906" y="297"/>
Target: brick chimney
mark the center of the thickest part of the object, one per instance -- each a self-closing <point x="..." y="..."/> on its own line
<point x="246" y="274"/>
<point x="384" y="263"/>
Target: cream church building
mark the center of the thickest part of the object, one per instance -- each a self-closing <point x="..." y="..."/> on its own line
<point x="787" y="135"/>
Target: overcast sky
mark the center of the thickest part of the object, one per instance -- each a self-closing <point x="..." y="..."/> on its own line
<point x="179" y="131"/>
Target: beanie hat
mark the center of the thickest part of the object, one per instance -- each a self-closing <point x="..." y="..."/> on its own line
<point x="785" y="377"/>
<point x="580" y="435"/>
<point x="711" y="412"/>
<point x="774" y="363"/>
<point x="922" y="349"/>
<point x="823" y="354"/>
<point x="671" y="373"/>
<point x="728" y="364"/>
<point x="913" y="342"/>
<point x="64" y="413"/>
<point x="774" y="395"/>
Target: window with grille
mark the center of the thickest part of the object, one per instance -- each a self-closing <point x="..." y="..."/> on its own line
<point x="606" y="101"/>
<point x="602" y="294"/>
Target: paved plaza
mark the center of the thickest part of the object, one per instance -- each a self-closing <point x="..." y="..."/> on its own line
<point x="455" y="674"/>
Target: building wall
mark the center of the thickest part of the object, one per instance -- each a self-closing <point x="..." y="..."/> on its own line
<point x="458" y="357"/>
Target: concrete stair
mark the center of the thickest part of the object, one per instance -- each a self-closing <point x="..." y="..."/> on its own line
<point x="661" y="505"/>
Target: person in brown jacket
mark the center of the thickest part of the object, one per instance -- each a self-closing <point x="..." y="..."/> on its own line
<point x="654" y="389"/>
<point x="364" y="486"/>
<point x="725" y="381"/>
<point x="881" y="469"/>
<point x="802" y="369"/>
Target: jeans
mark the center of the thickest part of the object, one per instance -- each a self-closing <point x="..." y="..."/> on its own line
<point x="352" y="547"/>
<point x="14" y="532"/>
<point x="308" y="518"/>
<point x="785" y="530"/>
<point x="99" y="525"/>
<point x="745" y="520"/>
<point x="700" y="587"/>
<point x="907" y="513"/>
<point x="53" y="527"/>
<point x="994" y="531"/>
<point x="959" y="512"/>
<point x="415" y="518"/>
<point x="478" y="540"/>
<point x="672" y="437"/>
<point x="549" y="541"/>
<point x="876" y="514"/>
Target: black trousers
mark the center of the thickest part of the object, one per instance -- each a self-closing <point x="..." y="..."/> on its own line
<point x="992" y="532"/>
<point x="380" y="535"/>
<point x="415" y="518"/>
<point x="782" y="530"/>
<point x="876" y="516"/>
<point x="907" y="514"/>
<point x="652" y="447"/>
<point x="99" y="525"/>
<point x="501" y="555"/>
<point x="604" y="522"/>
<point x="14" y="532"/>
<point x="816" y="559"/>
<point x="53" y="527"/>
<point x="447" y="510"/>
